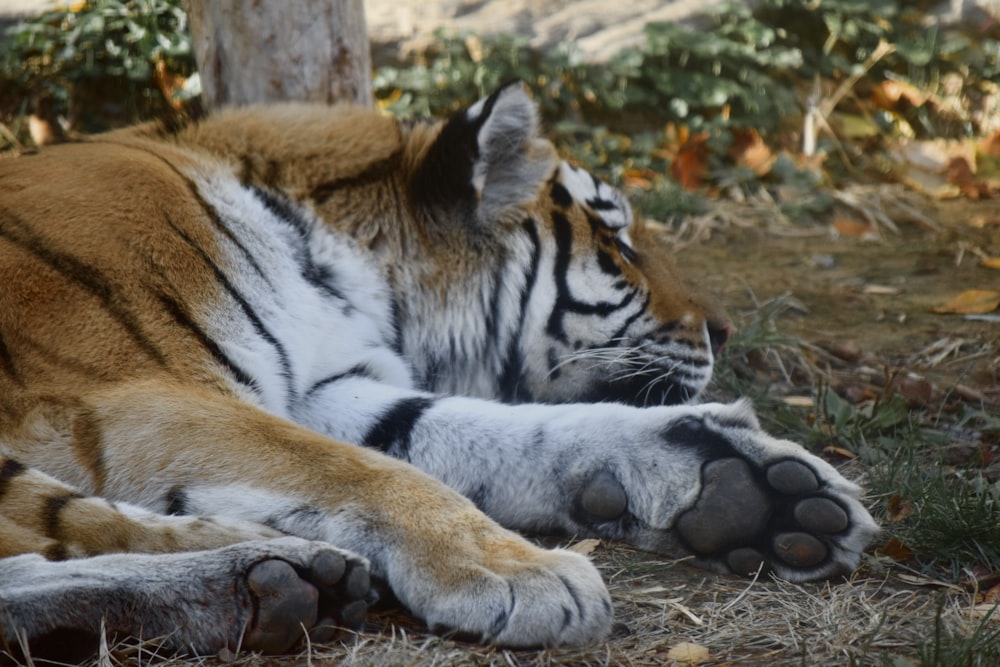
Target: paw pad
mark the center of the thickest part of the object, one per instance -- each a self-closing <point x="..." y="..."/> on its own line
<point x="791" y="478"/>
<point x="821" y="515"/>
<point x="732" y="508"/>
<point x="331" y="591"/>
<point x="603" y="498"/>
<point x="747" y="519"/>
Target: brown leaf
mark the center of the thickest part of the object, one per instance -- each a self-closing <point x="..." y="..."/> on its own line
<point x="899" y="509"/>
<point x="990" y="262"/>
<point x="971" y="302"/>
<point x="839" y="451"/>
<point x="888" y="95"/>
<point x="690" y="166"/>
<point x="916" y="390"/>
<point x="168" y="83"/>
<point x="852" y="227"/>
<point x="638" y="178"/>
<point x="896" y="550"/>
<point x="960" y="173"/>
<point x="750" y="151"/>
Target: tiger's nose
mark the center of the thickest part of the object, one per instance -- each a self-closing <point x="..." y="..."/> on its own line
<point x="719" y="331"/>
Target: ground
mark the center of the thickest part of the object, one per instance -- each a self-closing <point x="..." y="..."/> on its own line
<point x="869" y="301"/>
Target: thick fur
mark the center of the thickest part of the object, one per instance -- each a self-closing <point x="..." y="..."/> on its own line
<point x="208" y="322"/>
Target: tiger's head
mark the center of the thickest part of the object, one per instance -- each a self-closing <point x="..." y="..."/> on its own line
<point x="514" y="275"/>
<point x="535" y="280"/>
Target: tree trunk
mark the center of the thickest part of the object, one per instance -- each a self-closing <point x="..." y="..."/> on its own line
<point x="252" y="51"/>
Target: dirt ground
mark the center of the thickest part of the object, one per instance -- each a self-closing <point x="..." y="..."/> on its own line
<point x="869" y="301"/>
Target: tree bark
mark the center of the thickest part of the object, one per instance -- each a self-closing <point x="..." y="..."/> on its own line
<point x="251" y="51"/>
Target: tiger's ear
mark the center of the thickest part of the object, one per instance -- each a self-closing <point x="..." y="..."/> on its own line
<point x="487" y="159"/>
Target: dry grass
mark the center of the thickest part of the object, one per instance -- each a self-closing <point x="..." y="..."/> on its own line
<point x="869" y="620"/>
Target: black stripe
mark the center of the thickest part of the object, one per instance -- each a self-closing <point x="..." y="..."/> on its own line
<point x="607" y="263"/>
<point x="601" y="204"/>
<point x="492" y="323"/>
<point x="560" y="195"/>
<point x="177" y="501"/>
<point x="376" y="171"/>
<point x="56" y="551"/>
<point x="87" y="443"/>
<point x="397" y="337"/>
<point x="53" y="508"/>
<point x="361" y="370"/>
<point x="8" y="471"/>
<point x="184" y="319"/>
<point x="251" y="314"/>
<point x="632" y="318"/>
<point x="7" y="361"/>
<point x="320" y="276"/>
<point x="564" y="246"/>
<point x="392" y="432"/>
<point x="565" y="302"/>
<point x="512" y="389"/>
<point x="88" y="277"/>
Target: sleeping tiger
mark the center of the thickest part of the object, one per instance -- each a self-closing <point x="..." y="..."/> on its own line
<point x="248" y="364"/>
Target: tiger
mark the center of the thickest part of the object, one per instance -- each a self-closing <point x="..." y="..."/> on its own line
<point x="255" y="368"/>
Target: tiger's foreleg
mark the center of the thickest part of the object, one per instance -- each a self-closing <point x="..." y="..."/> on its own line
<point x="702" y="480"/>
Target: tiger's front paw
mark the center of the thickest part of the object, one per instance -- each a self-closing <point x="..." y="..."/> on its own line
<point x="492" y="586"/>
<point x="721" y="489"/>
<point x="764" y="502"/>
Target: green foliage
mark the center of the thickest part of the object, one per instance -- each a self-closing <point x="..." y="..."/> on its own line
<point x="107" y="48"/>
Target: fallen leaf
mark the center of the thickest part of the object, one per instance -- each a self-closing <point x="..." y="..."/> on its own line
<point x="916" y="390"/>
<point x="932" y="166"/>
<point x="960" y="174"/>
<point x="842" y="349"/>
<point x="990" y="145"/>
<point x="890" y="92"/>
<point x="839" y="451"/>
<point x="690" y="166"/>
<point x="915" y="580"/>
<point x="972" y="302"/>
<point x="638" y="178"/>
<point x="687" y="653"/>
<point x="898" y="508"/>
<point x="896" y="550"/>
<point x="852" y="227"/>
<point x="585" y="547"/>
<point x="990" y="262"/>
<point x="750" y="151"/>
<point x="883" y="290"/>
<point x="980" y="221"/>
<point x="799" y="401"/>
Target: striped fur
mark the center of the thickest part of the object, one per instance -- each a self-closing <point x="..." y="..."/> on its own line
<point x="199" y="326"/>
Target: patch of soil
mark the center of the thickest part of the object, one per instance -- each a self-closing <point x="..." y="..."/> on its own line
<point x="869" y="302"/>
